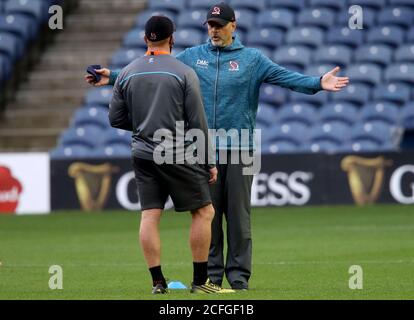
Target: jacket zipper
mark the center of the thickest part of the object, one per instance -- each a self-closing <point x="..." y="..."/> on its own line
<point x="215" y="88"/>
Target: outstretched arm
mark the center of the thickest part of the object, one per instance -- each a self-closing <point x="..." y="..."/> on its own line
<point x="330" y="82"/>
<point x="108" y="77"/>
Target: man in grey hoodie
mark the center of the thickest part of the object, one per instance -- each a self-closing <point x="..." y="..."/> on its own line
<point x="158" y="98"/>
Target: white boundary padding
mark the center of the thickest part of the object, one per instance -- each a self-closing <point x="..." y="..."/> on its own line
<point x="32" y="172"/>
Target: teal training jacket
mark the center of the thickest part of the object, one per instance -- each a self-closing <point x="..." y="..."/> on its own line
<point x="230" y="80"/>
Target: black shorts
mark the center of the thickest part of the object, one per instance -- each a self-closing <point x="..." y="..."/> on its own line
<point x="186" y="184"/>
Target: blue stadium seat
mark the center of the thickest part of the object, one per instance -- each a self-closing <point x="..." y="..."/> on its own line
<point x="11" y="46"/>
<point x="407" y="116"/>
<point x="202" y="4"/>
<point x="123" y="57"/>
<point x="279" y="147"/>
<point x="277" y="18"/>
<point x="316" y="17"/>
<point x="333" y="54"/>
<point x="273" y="95"/>
<point x="264" y="50"/>
<point x="192" y="19"/>
<point x="5" y="67"/>
<point x="113" y="136"/>
<point x="317" y="99"/>
<point x="374" y="4"/>
<point x="34" y="9"/>
<point x="360" y="146"/>
<point x="266" y="114"/>
<point x="321" y="145"/>
<point x="392" y="93"/>
<point x="356" y="94"/>
<point x="18" y="25"/>
<point x="254" y="6"/>
<point x="364" y="73"/>
<point x="73" y="151"/>
<point x="189" y="37"/>
<point x="335" y="132"/>
<point x="345" y="36"/>
<point x="296" y="5"/>
<point x="343" y="112"/>
<point x="399" y="16"/>
<point x="299" y="112"/>
<point x="318" y="70"/>
<point x="405" y="3"/>
<point x="368" y="18"/>
<point x="113" y="151"/>
<point x="264" y="130"/>
<point x="172" y="5"/>
<point x="405" y="53"/>
<point x="97" y="116"/>
<point x="375" y="131"/>
<point x="306" y="36"/>
<point x="87" y="136"/>
<point x="400" y="72"/>
<point x="245" y="19"/>
<point x="294" y="133"/>
<point x="134" y="39"/>
<point x="143" y="17"/>
<point x="410" y="35"/>
<point x="293" y="55"/>
<point x="389" y="35"/>
<point x="268" y="37"/>
<point x="379" y="54"/>
<point x="99" y="96"/>
<point x="334" y="5"/>
<point x="378" y="111"/>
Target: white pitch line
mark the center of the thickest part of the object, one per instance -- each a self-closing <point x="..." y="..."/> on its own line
<point x="75" y="265"/>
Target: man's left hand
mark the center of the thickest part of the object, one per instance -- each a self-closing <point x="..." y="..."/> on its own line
<point x="331" y="82"/>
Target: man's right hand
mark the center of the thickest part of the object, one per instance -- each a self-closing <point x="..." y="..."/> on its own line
<point x="213" y="175"/>
<point x="104" y="78"/>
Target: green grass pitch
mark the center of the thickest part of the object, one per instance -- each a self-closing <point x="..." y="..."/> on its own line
<point x="298" y="253"/>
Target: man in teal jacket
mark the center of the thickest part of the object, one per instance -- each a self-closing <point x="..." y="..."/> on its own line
<point x="230" y="79"/>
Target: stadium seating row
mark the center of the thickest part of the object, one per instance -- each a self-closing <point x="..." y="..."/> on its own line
<point x="20" y="22"/>
<point x="310" y="36"/>
<point x="258" y="5"/>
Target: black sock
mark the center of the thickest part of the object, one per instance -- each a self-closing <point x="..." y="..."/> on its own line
<point x="200" y="273"/>
<point x="157" y="276"/>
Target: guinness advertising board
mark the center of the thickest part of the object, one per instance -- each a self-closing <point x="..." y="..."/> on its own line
<point x="295" y="180"/>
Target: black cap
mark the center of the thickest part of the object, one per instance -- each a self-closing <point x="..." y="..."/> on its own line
<point x="221" y="13"/>
<point x="159" y="28"/>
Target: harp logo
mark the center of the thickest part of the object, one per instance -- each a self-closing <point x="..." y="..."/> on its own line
<point x="93" y="183"/>
<point x="365" y="177"/>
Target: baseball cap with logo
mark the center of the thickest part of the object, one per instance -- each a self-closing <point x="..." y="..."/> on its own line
<point x="221" y="13"/>
<point x="159" y="28"/>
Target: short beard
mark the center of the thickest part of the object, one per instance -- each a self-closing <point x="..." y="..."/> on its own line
<point x="218" y="43"/>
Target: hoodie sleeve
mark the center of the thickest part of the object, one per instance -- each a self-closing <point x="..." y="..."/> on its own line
<point x="196" y="117"/>
<point x="119" y="116"/>
<point x="273" y="73"/>
<point x="113" y="76"/>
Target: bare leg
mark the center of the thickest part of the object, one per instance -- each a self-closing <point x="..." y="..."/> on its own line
<point x="149" y="236"/>
<point x="200" y="233"/>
